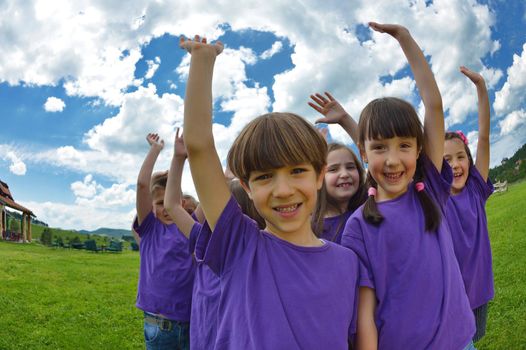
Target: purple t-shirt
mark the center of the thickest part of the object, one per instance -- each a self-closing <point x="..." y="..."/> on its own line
<point x="167" y="270"/>
<point x="469" y="228"/>
<point x="333" y="227"/>
<point x="205" y="298"/>
<point x="276" y="295"/>
<point x="422" y="303"/>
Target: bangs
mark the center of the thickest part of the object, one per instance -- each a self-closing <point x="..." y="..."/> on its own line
<point x="276" y="140"/>
<point x="387" y="118"/>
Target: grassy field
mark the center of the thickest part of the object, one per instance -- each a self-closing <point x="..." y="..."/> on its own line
<point x="68" y="299"/>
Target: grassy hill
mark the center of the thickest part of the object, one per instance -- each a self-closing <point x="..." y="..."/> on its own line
<point x="68" y="299"/>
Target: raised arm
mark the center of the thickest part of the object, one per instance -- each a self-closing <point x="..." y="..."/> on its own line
<point x="427" y="86"/>
<point x="334" y="113"/>
<point x="172" y="195"/>
<point x="482" y="160"/>
<point x="143" y="201"/>
<point x="205" y="165"/>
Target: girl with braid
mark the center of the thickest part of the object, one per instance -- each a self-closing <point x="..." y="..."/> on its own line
<point x="413" y="296"/>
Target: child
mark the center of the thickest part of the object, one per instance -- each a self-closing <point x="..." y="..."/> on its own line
<point x="166" y="269"/>
<point x="281" y="288"/>
<point x="414" y="298"/>
<point x="205" y="296"/>
<point x="344" y="188"/>
<point x="465" y="208"/>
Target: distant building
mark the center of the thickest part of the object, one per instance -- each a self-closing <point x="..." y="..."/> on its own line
<point x="7" y="200"/>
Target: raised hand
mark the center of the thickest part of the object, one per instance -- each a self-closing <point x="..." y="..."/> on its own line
<point x="155" y="141"/>
<point x="200" y="44"/>
<point x="329" y="107"/>
<point x="475" y="77"/>
<point x="395" y="30"/>
<point x="179" y="147"/>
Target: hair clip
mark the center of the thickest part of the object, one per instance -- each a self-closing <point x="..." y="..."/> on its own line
<point x="420" y="186"/>
<point x="371" y="191"/>
<point x="462" y="136"/>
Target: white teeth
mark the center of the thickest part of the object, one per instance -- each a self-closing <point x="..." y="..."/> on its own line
<point x="346" y="184"/>
<point x="287" y="209"/>
<point x="393" y="175"/>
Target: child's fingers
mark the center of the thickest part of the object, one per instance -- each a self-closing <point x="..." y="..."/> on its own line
<point x="317" y="108"/>
<point x="330" y="96"/>
<point x="322" y="120"/>
<point x="321" y="97"/>
<point x="316" y="98"/>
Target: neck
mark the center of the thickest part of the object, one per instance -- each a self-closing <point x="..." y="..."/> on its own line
<point x="307" y="239"/>
<point x="336" y="210"/>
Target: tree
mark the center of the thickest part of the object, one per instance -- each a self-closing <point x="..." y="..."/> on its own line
<point x="14" y="225"/>
<point x="46" y="237"/>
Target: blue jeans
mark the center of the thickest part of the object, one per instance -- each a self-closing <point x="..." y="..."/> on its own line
<point x="470" y="346"/>
<point x="168" y="335"/>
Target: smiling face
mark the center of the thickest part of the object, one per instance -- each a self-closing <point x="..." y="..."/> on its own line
<point x="392" y="164"/>
<point x="158" y="206"/>
<point x="342" y="178"/>
<point x="456" y="156"/>
<point x="286" y="197"/>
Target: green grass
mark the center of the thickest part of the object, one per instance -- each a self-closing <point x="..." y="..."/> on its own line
<point x="69" y="299"/>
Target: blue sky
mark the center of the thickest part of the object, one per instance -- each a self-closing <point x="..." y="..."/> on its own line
<point x="82" y="83"/>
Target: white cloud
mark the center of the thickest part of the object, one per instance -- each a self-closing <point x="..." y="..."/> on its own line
<point x="17" y="167"/>
<point x="512" y="121"/>
<point x="54" y="104"/>
<point x="511" y="96"/>
<point x="153" y="65"/>
<point x="276" y="47"/>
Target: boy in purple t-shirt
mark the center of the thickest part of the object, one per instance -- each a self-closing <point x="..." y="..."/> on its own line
<point x="465" y="209"/>
<point x="167" y="269"/>
<point x="282" y="287"/>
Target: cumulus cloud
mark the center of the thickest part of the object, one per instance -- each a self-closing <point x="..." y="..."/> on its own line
<point x="275" y="48"/>
<point x="54" y="104"/>
<point x="17" y="167"/>
<point x="511" y="96"/>
<point x="512" y="121"/>
<point x="153" y="65"/>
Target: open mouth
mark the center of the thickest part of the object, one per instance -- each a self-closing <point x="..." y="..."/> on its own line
<point x="287" y="210"/>
<point x="458" y="175"/>
<point x="393" y="177"/>
<point x="344" y="185"/>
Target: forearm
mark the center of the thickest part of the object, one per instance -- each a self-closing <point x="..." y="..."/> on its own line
<point x="172" y="195"/>
<point x="483" y="149"/>
<point x="367" y="333"/>
<point x="351" y="127"/>
<point x="143" y="196"/>
<point x="198" y="103"/>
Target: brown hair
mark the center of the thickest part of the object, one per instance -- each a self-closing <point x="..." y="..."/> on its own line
<point x="158" y="181"/>
<point x="388" y="117"/>
<point x="275" y="140"/>
<point x="453" y="135"/>
<point x="247" y="206"/>
<point x="325" y="201"/>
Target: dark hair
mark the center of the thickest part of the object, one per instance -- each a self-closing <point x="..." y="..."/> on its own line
<point x="388" y="117"/>
<point x="454" y="135"/>
<point x="325" y="201"/>
<point x="247" y="206"/>
<point x="275" y="140"/>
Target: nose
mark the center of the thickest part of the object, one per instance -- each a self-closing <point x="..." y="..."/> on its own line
<point x="282" y="187"/>
<point x="392" y="159"/>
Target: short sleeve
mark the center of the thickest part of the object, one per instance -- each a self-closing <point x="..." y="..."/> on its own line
<point x="146" y="226"/>
<point x="477" y="184"/>
<point x="352" y="238"/>
<point x="231" y="235"/>
<point x="438" y="184"/>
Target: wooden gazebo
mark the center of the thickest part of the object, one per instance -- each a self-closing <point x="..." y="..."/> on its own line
<point x="6" y="200"/>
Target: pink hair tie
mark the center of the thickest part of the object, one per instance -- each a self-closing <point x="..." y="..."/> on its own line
<point x="371" y="191"/>
<point x="420" y="186"/>
<point x="462" y="136"/>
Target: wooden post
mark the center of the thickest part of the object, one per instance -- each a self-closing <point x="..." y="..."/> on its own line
<point x="23" y="227"/>
<point x="29" y="237"/>
<point x="2" y="221"/>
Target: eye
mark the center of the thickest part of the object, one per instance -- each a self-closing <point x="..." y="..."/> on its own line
<point x="262" y="177"/>
<point x="351" y="166"/>
<point x="332" y="169"/>
<point x="377" y="147"/>
<point x="298" y="170"/>
<point x="406" y="145"/>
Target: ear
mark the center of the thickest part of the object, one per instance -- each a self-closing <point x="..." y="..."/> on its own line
<point x="321" y="177"/>
<point x="246" y="188"/>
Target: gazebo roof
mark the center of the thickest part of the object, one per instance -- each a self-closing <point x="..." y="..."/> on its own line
<point x="7" y="199"/>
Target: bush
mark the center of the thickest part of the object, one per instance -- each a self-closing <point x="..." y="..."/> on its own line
<point x="47" y="237"/>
